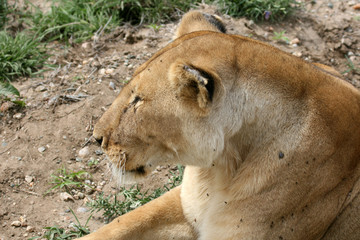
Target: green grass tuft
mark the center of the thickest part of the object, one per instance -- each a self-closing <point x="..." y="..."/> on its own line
<point x="258" y="10"/>
<point x="75" y="19"/>
<point x="59" y="233"/>
<point x="3" y="13"/>
<point x="131" y="198"/>
<point x="21" y="55"/>
<point x="79" y="20"/>
<point x="351" y="66"/>
<point x="68" y="180"/>
<point x="9" y="93"/>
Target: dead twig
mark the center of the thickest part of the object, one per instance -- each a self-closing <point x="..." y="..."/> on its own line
<point x="5" y="150"/>
<point x="87" y="142"/>
<point x="29" y="192"/>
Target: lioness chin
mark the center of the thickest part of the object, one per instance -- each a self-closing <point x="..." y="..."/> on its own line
<point x="271" y="143"/>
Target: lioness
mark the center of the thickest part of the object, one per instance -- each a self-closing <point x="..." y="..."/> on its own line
<point x="271" y="142"/>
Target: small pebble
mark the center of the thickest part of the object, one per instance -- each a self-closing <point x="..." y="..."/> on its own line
<point x="29" y="179"/>
<point x="112" y="85"/>
<point x="295" y="41"/>
<point x="102" y="71"/>
<point x="41" y="149"/>
<point x="351" y="3"/>
<point x="99" y="152"/>
<point x="16" y="224"/>
<point x="86" y="45"/>
<point x="18" y="116"/>
<point x="64" y="196"/>
<point x="109" y="71"/>
<point x="81" y="195"/>
<point x="82" y="210"/>
<point x="84" y="152"/>
<point x="40" y="88"/>
<point x="30" y="229"/>
<point x="89" y="190"/>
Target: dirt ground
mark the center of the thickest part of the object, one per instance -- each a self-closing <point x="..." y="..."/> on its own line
<point x="63" y="106"/>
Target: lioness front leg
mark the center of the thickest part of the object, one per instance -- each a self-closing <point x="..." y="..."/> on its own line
<point x="161" y="218"/>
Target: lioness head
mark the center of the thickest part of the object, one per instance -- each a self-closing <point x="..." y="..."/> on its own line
<point x="166" y="112"/>
<point x="162" y="115"/>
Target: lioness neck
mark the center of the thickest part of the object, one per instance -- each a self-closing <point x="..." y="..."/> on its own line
<point x="291" y="142"/>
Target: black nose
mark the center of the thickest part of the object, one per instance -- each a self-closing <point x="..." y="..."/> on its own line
<point x="99" y="140"/>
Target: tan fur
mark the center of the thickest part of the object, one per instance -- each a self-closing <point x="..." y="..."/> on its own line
<point x="197" y="21"/>
<point x="271" y="143"/>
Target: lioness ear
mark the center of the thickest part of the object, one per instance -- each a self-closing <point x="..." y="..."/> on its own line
<point x="197" y="21"/>
<point x="193" y="85"/>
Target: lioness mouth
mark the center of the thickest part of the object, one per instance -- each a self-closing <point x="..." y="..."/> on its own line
<point x="139" y="170"/>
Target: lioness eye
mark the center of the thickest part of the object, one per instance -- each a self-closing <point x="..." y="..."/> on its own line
<point x="136" y="99"/>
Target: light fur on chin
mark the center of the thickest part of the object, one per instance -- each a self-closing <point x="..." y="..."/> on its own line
<point x="120" y="175"/>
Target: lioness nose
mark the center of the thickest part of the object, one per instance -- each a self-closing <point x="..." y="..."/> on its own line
<point x="99" y="140"/>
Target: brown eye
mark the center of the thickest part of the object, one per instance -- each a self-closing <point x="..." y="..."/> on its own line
<point x="136" y="99"/>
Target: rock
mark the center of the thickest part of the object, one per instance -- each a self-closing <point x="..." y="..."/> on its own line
<point x="295" y="41"/>
<point x="103" y="183"/>
<point x="18" y="116"/>
<point x="84" y="152"/>
<point x="81" y="195"/>
<point x="346" y="41"/>
<point x="99" y="152"/>
<point x="89" y="190"/>
<point x="109" y="71"/>
<point x="6" y="106"/>
<point x="64" y="196"/>
<point x="356" y="6"/>
<point x="351" y="3"/>
<point x="30" y="229"/>
<point x="112" y="85"/>
<point x="29" y="179"/>
<point x="53" y="100"/>
<point x="42" y="149"/>
<point x="102" y="71"/>
<point x="298" y="54"/>
<point x="82" y="210"/>
<point x="40" y="88"/>
<point x="87" y="46"/>
<point x="16" y="224"/>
